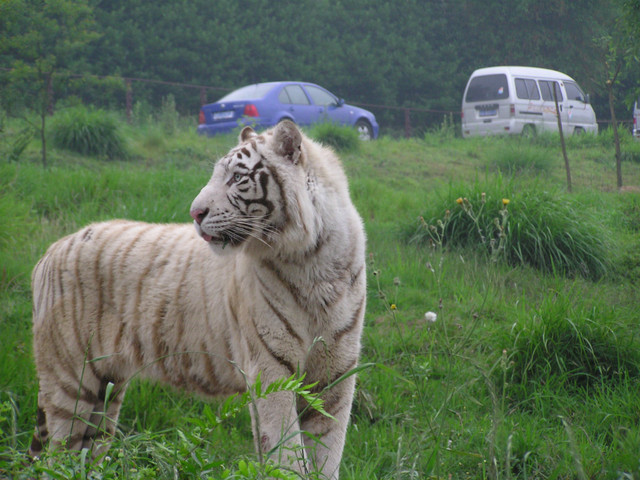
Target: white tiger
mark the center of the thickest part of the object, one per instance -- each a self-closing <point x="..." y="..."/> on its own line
<point x="270" y="281"/>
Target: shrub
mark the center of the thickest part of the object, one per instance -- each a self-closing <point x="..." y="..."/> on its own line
<point x="89" y="132"/>
<point x="550" y="231"/>
<point x="341" y="138"/>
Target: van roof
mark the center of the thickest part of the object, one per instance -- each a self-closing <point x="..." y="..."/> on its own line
<point x="523" y="71"/>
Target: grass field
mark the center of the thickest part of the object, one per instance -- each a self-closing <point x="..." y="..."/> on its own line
<point x="531" y="370"/>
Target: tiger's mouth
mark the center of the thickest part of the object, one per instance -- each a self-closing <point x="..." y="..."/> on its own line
<point x="231" y="237"/>
<point x="226" y="238"/>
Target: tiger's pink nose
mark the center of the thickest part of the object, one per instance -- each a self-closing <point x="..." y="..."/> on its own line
<point x="198" y="214"/>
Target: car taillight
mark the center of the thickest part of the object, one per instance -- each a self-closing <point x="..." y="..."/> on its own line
<point x="250" y="110"/>
<point x="201" y="118"/>
<point x="512" y="110"/>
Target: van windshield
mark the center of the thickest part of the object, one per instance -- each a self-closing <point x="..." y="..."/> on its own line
<point x="488" y="87"/>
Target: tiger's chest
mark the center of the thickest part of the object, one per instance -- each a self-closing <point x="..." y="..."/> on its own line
<point x="300" y="318"/>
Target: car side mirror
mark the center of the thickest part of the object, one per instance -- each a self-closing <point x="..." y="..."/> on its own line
<point x="340" y="102"/>
<point x="587" y="98"/>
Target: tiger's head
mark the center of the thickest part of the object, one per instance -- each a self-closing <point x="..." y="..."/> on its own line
<point x="246" y="197"/>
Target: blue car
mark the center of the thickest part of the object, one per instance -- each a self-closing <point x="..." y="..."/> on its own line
<point x="265" y="104"/>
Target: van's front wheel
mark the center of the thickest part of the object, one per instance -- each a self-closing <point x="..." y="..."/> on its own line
<point x="529" y="131"/>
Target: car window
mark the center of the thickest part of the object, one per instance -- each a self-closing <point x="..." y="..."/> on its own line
<point x="321" y="97"/>
<point x="574" y="92"/>
<point x="293" y="94"/>
<point x="527" y="89"/>
<point x="250" y="92"/>
<point x="546" y="88"/>
<point x="488" y="87"/>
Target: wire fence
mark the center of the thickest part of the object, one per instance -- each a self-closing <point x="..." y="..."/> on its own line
<point x="125" y="93"/>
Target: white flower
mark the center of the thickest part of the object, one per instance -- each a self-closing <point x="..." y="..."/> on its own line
<point x="430" y="317"/>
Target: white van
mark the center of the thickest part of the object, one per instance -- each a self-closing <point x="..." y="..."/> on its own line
<point x="515" y="100"/>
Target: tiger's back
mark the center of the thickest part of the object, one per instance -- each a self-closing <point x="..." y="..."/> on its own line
<point x="282" y="292"/>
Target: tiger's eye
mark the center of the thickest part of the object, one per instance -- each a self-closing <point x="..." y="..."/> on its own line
<point x="237" y="177"/>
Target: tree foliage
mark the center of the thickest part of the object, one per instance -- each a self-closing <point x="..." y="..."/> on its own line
<point x="39" y="38"/>
<point x="408" y="53"/>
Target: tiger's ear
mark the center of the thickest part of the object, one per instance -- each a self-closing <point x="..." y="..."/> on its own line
<point x="287" y="141"/>
<point x="246" y="134"/>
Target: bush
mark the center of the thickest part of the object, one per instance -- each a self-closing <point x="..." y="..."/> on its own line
<point x="550" y="231"/>
<point x="344" y="139"/>
<point x="89" y="132"/>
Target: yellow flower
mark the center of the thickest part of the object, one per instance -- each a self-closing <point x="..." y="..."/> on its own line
<point x="505" y="201"/>
<point x="459" y="201"/>
<point x="393" y="306"/>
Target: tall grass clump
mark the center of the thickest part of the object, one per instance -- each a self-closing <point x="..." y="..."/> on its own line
<point x="89" y="132"/>
<point x="564" y="344"/>
<point x="340" y="138"/>
<point x="445" y="132"/>
<point x="548" y="230"/>
<point x="168" y="116"/>
<point x="518" y="155"/>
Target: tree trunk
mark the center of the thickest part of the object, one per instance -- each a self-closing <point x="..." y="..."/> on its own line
<point x="616" y="138"/>
<point x="43" y="138"/>
<point x="564" y="148"/>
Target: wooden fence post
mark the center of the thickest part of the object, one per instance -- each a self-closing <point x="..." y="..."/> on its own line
<point x="407" y="123"/>
<point x="129" y="99"/>
<point x="50" y="94"/>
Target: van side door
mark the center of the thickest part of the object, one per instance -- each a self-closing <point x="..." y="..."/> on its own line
<point x="528" y="106"/>
<point x="549" y="107"/>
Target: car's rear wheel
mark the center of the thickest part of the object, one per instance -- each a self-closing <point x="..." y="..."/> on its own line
<point x="365" y="130"/>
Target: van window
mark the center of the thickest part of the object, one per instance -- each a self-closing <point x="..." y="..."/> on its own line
<point x="488" y="87"/>
<point x="546" y="87"/>
<point x="527" y="89"/>
<point x="574" y="92"/>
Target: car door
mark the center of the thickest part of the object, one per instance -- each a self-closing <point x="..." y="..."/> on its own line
<point x="297" y="105"/>
<point x="329" y="106"/>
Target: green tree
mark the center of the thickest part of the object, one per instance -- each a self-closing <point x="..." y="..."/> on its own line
<point x="38" y="40"/>
<point x="620" y="49"/>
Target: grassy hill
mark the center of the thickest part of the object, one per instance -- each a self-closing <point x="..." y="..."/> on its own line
<point x="530" y="370"/>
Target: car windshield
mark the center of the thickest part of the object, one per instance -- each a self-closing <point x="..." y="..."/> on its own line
<point x="249" y="92"/>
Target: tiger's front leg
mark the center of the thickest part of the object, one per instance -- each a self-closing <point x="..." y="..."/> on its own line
<point x="325" y="449"/>
<point x="277" y="431"/>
